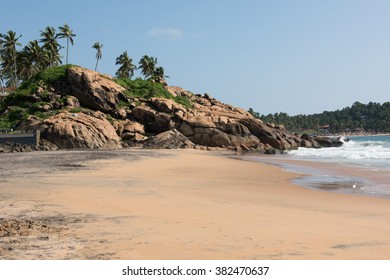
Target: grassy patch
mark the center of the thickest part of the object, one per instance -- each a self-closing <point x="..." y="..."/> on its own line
<point x="122" y="104"/>
<point x="45" y="78"/>
<point x="183" y="101"/>
<point x="147" y="89"/>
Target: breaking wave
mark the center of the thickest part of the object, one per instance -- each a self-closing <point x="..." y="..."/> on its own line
<point x="373" y="151"/>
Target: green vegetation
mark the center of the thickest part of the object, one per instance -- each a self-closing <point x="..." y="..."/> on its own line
<point x="9" y="54"/>
<point x="374" y="117"/>
<point x="36" y="67"/>
<point x="126" y="69"/>
<point x="17" y="106"/>
<point x="143" y="88"/>
<point x="147" y="64"/>
<point x="35" y="56"/>
<point x="44" y="78"/>
<point x="66" y="32"/>
<point x="12" y="117"/>
<point x="38" y="55"/>
<point x="146" y="89"/>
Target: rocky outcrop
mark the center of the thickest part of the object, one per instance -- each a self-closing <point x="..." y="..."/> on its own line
<point x="153" y="123"/>
<point x="71" y="130"/>
<point x="77" y="130"/>
<point x="92" y="89"/>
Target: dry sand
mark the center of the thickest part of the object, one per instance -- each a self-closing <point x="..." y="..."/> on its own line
<point x="183" y="204"/>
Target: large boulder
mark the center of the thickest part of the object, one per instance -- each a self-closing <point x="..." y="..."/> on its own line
<point x="171" y="139"/>
<point x="80" y="130"/>
<point x="153" y="121"/>
<point x="213" y="137"/>
<point x="93" y="90"/>
<point x="327" y="142"/>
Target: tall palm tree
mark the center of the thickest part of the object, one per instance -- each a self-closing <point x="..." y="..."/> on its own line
<point x="51" y="46"/>
<point x="9" y="42"/>
<point x="126" y="69"/>
<point x="147" y="64"/>
<point x="98" y="47"/>
<point x="66" y="32"/>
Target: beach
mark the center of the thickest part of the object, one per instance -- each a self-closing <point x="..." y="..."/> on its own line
<point x="178" y="204"/>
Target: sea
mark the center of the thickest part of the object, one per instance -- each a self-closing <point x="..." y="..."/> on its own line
<point x="372" y="152"/>
<point x="361" y="166"/>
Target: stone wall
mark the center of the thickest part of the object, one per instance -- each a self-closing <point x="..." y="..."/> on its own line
<point x="23" y="138"/>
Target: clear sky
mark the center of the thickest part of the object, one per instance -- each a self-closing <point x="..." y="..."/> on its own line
<point x="298" y="57"/>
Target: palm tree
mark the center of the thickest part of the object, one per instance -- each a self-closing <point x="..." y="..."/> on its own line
<point x="66" y="32"/>
<point x="8" y="43"/>
<point x="33" y="59"/>
<point x="51" y="46"/>
<point x="159" y="76"/>
<point x="147" y="64"/>
<point x="126" y="69"/>
<point x="98" y="48"/>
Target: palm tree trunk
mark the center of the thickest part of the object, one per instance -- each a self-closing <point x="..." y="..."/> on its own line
<point x="67" y="49"/>
<point x="97" y="60"/>
<point x="2" y="86"/>
<point x="15" y="73"/>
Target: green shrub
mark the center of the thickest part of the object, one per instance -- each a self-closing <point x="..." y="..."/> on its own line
<point x="183" y="101"/>
<point x="147" y="89"/>
<point x="143" y="88"/>
<point x="46" y="77"/>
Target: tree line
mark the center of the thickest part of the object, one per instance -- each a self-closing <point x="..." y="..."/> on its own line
<point x="371" y="117"/>
<point x="21" y="63"/>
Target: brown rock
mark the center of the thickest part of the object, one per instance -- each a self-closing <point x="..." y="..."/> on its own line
<point x="152" y="120"/>
<point x="93" y="90"/>
<point x="171" y="139"/>
<point x="71" y="130"/>
<point x="72" y="101"/>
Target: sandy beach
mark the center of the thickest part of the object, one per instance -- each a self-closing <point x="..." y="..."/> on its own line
<point x="177" y="204"/>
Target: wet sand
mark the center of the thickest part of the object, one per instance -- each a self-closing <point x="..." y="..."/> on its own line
<point x="181" y="204"/>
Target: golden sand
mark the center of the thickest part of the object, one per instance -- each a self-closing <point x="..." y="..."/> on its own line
<point x="194" y="205"/>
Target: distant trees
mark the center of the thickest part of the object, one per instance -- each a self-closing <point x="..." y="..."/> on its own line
<point x="368" y="117"/>
<point x="98" y="47"/>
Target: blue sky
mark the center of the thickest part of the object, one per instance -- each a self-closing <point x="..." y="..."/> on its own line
<point x="298" y="57"/>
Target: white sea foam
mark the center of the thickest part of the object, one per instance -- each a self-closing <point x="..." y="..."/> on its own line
<point x="365" y="151"/>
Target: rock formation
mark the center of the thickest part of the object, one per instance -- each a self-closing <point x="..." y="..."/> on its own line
<point x="95" y="112"/>
<point x="77" y="130"/>
<point x="92" y="89"/>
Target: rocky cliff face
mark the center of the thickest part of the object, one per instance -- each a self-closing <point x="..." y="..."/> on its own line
<point x="92" y="99"/>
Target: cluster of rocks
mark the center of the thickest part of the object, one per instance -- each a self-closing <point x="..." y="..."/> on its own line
<point x="10" y="147"/>
<point x="91" y="117"/>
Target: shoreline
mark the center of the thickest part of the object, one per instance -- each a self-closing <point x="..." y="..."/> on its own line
<point x="186" y="204"/>
<point x="330" y="176"/>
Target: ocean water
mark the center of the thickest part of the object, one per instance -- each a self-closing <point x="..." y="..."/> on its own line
<point x="367" y="159"/>
<point x="371" y="152"/>
<point x="361" y="166"/>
